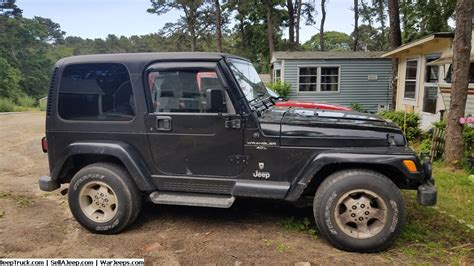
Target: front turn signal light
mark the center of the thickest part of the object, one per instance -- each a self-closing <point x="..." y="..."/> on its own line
<point x="410" y="166"/>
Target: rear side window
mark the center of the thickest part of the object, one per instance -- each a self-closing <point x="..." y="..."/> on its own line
<point x="96" y="92"/>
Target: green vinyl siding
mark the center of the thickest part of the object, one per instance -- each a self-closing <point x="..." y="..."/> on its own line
<point x="354" y="83"/>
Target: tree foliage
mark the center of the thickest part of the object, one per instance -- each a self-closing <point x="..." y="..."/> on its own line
<point x="423" y="17"/>
<point x="333" y="41"/>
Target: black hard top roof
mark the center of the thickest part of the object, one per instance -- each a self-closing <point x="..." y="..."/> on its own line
<point x="135" y="61"/>
<point x="143" y="57"/>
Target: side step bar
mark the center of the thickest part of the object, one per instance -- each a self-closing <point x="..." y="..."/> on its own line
<point x="190" y="199"/>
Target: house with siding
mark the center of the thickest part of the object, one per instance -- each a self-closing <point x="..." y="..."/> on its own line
<point x="342" y="77"/>
<point x="424" y="77"/>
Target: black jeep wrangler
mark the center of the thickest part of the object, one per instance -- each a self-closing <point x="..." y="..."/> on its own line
<point x="200" y="129"/>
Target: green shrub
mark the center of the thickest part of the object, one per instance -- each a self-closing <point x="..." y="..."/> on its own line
<point x="282" y="88"/>
<point x="25" y="101"/>
<point x="357" y="107"/>
<point x="469" y="139"/>
<point x="6" y="105"/>
<point x="42" y="105"/>
<point x="409" y="123"/>
<point x="439" y="124"/>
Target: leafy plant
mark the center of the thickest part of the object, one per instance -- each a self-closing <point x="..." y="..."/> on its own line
<point x="282" y="247"/>
<point x="408" y="122"/>
<point x="357" y="107"/>
<point x="6" y="105"/>
<point x="468" y="139"/>
<point x="303" y="225"/>
<point x="282" y="88"/>
<point x="43" y="105"/>
<point x="25" y="101"/>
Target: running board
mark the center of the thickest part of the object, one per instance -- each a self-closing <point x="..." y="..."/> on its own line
<point x="191" y="199"/>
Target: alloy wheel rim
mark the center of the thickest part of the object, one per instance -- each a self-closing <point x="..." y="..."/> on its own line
<point x="361" y="213"/>
<point x="98" y="201"/>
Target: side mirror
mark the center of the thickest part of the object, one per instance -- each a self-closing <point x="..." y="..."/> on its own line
<point x="216" y="101"/>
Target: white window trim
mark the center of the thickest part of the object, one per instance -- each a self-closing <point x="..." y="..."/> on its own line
<point x="412" y="101"/>
<point x="274" y="74"/>
<point x="318" y="80"/>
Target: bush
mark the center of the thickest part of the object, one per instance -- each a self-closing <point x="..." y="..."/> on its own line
<point x="357" y="107"/>
<point x="25" y="101"/>
<point x="410" y="126"/>
<point x="42" y="105"/>
<point x="282" y="88"/>
<point x="469" y="139"/>
<point x="6" y="105"/>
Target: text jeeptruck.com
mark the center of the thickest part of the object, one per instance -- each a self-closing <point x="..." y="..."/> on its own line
<point x="72" y="262"/>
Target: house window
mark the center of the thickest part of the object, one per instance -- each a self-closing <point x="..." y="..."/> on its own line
<point x="430" y="94"/>
<point x="318" y="79"/>
<point x="429" y="99"/>
<point x="410" y="79"/>
<point x="431" y="73"/>
<point x="329" y="78"/>
<point x="277" y="75"/>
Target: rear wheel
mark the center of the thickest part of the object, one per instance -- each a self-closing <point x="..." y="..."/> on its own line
<point x="103" y="198"/>
<point x="359" y="210"/>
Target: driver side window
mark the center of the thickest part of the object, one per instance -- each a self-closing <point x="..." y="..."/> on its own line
<point x="188" y="91"/>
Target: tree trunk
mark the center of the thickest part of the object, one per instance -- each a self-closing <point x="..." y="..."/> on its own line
<point x="321" y="28"/>
<point x="192" y="31"/>
<point x="218" y="26"/>
<point x="356" y="25"/>
<point x="381" y="11"/>
<point x="297" y="21"/>
<point x="454" y="148"/>
<point x="271" y="44"/>
<point x="291" y="22"/>
<point x="395" y="37"/>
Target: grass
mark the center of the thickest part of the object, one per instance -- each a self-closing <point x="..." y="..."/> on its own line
<point x="304" y="224"/>
<point x="430" y="234"/>
<point x="455" y="192"/>
<point x="21" y="201"/>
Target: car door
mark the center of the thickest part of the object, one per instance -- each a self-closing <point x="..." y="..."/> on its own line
<point x="193" y="129"/>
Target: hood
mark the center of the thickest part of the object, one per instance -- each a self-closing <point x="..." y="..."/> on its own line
<point x="327" y="128"/>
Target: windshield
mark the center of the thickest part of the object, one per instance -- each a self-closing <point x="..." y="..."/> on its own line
<point x="249" y="81"/>
<point x="272" y="93"/>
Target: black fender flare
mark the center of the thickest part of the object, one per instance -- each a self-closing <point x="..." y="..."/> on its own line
<point x="130" y="158"/>
<point x="314" y="165"/>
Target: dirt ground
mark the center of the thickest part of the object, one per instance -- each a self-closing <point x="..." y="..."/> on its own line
<point x="38" y="224"/>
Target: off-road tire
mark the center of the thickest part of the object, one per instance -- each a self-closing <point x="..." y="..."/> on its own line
<point x="118" y="180"/>
<point x="339" y="186"/>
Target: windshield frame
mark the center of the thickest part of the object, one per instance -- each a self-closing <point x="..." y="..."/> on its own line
<point x="258" y="89"/>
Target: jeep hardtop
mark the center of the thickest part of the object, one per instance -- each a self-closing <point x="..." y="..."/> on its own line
<point x="200" y="129"/>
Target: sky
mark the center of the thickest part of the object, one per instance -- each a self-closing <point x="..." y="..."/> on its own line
<point x="98" y="18"/>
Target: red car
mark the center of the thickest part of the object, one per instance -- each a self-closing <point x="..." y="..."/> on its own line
<point x="309" y="105"/>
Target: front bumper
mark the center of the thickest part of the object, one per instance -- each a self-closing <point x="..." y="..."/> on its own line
<point x="427" y="194"/>
<point x="47" y="184"/>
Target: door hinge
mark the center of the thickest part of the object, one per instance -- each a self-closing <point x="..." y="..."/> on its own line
<point x="239" y="159"/>
<point x="233" y="123"/>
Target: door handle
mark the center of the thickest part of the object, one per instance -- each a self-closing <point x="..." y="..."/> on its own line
<point x="163" y="123"/>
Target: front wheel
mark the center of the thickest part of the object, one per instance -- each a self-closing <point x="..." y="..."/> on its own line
<point x="359" y="210"/>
